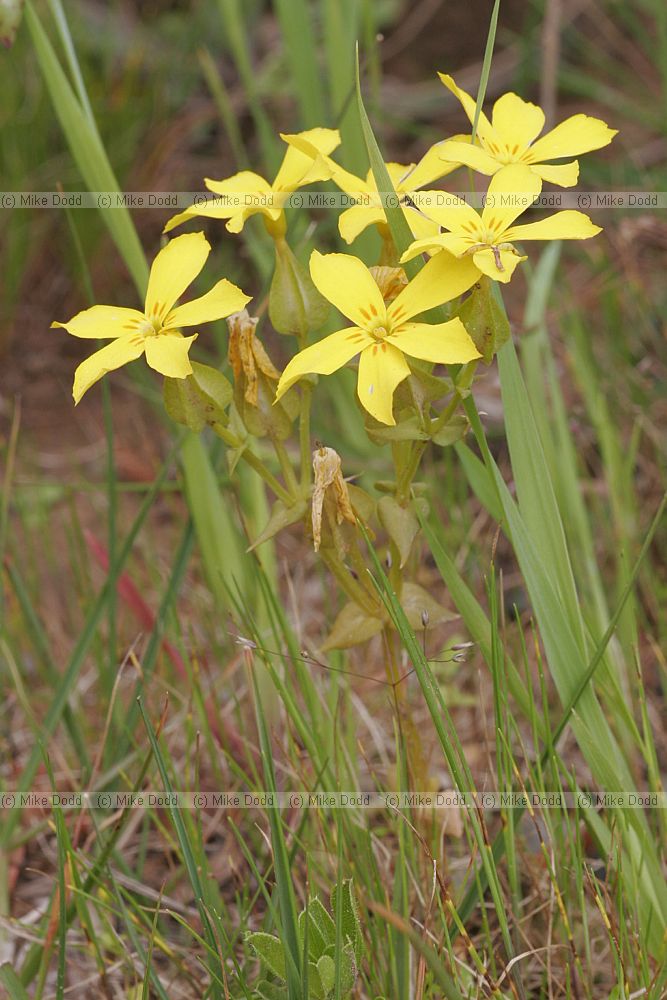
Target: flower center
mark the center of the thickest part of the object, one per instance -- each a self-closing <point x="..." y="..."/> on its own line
<point x="379" y="332"/>
<point x="150" y="326"/>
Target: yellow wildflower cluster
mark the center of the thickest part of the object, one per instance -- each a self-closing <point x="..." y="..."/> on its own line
<point x="384" y="331"/>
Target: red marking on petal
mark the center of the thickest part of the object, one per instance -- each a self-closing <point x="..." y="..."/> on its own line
<point x="373" y="310"/>
<point x="365" y="314"/>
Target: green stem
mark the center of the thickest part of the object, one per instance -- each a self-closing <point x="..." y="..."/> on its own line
<point x="304" y="435"/>
<point x="285" y="465"/>
<point x="255" y="463"/>
<point x="464" y="381"/>
<point x="352" y="587"/>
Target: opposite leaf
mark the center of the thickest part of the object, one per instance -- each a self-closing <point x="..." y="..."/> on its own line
<point x="485" y="320"/>
<point x="352" y="627"/>
<point x="421" y="610"/>
<point x="199" y="400"/>
<point x="281" y="517"/>
<point x="401" y="524"/>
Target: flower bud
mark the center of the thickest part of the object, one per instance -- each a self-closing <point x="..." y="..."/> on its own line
<point x="295" y="305"/>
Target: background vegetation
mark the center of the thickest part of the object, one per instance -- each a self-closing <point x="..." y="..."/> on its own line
<point x="124" y="545"/>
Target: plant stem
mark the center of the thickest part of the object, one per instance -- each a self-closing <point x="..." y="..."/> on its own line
<point x="352" y="587"/>
<point x="285" y="465"/>
<point x="304" y="434"/>
<point x="255" y="463"/>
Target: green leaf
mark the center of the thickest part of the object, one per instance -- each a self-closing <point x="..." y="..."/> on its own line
<point x="405" y="430"/>
<point x="344" y="897"/>
<point x="362" y="503"/>
<point x="454" y="430"/>
<point x="321" y="919"/>
<point x="270" y="991"/>
<point x="199" y="400"/>
<point x="421" y="610"/>
<point x="401" y="524"/>
<point x="281" y="517"/>
<point x="425" y="387"/>
<point x="485" y="320"/>
<point x="271" y="952"/>
<point x="10" y="18"/>
<point x="315" y="986"/>
<point x="326" y="969"/>
<point x="352" y="627"/>
<point x="316" y="943"/>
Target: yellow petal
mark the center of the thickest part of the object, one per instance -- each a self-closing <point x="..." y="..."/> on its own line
<point x="244" y="182"/>
<point x="470" y="156"/>
<point x="451" y="242"/>
<point x="516" y="122"/>
<point x="324" y="357"/>
<point x="484" y="129"/>
<point x="381" y="368"/>
<point x="567" y="225"/>
<point x="487" y="261"/>
<point x="430" y="168"/>
<point x="446" y="343"/>
<point x="328" y="168"/>
<point x="349" y="285"/>
<point x="564" y="174"/>
<point x="103" y="322"/>
<point x="296" y="165"/>
<point x="420" y="226"/>
<point x="576" y="135"/>
<point x="455" y="214"/>
<point x="232" y="191"/>
<point x="511" y="191"/>
<point x="174" y="268"/>
<point x="222" y="300"/>
<point x="237" y="221"/>
<point x="168" y="354"/>
<point x="354" y="220"/>
<point x="441" y="279"/>
<point x="113" y="356"/>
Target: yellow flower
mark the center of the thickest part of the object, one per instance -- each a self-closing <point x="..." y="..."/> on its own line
<point x="406" y="179"/>
<point x="511" y="137"/>
<point x="155" y="331"/>
<point x="383" y="334"/>
<point x="246" y="193"/>
<point x="488" y="238"/>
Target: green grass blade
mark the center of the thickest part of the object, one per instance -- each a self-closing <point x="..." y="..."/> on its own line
<point x="62" y="693"/>
<point x="295" y="19"/>
<point x="191" y="865"/>
<point x="10" y="980"/>
<point x="219" y="539"/>
<point x="286" y="898"/>
<point x="87" y="150"/>
<point x="567" y="663"/>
